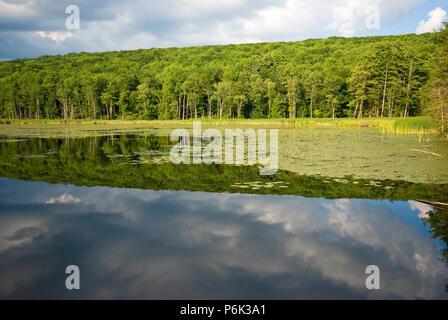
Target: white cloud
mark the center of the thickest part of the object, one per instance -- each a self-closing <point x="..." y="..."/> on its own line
<point x="423" y="208"/>
<point x="64" y="199"/>
<point x="435" y="21"/>
<point x="291" y="20"/>
<point x="197" y="8"/>
<point x="347" y="17"/>
<point x="292" y="17"/>
<point x="352" y="17"/>
<point x="55" y="35"/>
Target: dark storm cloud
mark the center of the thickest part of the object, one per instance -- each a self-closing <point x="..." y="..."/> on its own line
<point x="20" y="44"/>
<point x="49" y="15"/>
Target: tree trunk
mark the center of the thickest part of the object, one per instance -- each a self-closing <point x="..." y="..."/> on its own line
<point x="209" y="107"/>
<point x="408" y="90"/>
<point x="384" y="91"/>
<point x="37" y="108"/>
<point x="439" y="92"/>
<point x="311" y="104"/>
<point x="239" y="109"/>
<point x="183" y="108"/>
<point x="360" y="110"/>
<point x="269" y="107"/>
<point x="65" y="106"/>
<point x="189" y="108"/>
<point x="356" y="109"/>
<point x="178" y="108"/>
<point x="294" y="107"/>
<point x="332" y="107"/>
<point x="390" y="105"/>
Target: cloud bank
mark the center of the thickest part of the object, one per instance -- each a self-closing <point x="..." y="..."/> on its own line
<point x="30" y="28"/>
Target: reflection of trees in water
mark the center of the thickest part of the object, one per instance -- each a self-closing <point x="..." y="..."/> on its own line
<point x="437" y="221"/>
<point x="136" y="161"/>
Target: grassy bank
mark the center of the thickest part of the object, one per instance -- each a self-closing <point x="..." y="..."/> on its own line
<point x="414" y="125"/>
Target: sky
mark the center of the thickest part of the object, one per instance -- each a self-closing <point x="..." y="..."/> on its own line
<point x="31" y="28"/>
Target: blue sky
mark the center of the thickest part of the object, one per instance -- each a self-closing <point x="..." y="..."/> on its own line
<point x="30" y="28"/>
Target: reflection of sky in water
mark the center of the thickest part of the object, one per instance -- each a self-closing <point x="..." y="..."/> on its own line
<point x="147" y="244"/>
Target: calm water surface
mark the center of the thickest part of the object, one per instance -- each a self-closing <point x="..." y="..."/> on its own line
<point x="117" y="209"/>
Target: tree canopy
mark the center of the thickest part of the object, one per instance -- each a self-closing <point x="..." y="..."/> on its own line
<point x="334" y="77"/>
<point x="435" y="91"/>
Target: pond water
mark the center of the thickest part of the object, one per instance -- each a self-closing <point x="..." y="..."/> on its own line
<point x="140" y="227"/>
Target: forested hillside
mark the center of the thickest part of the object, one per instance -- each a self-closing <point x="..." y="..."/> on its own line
<point x="335" y="77"/>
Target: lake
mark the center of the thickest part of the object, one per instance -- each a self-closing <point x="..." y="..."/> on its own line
<point x="138" y="226"/>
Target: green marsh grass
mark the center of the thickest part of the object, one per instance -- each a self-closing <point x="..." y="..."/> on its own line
<point x="412" y="125"/>
<point x="417" y="125"/>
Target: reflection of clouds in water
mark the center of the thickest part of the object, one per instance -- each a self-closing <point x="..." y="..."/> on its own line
<point x="64" y="198"/>
<point x="322" y="228"/>
<point x="14" y="232"/>
<point x="201" y="245"/>
<point x="423" y="208"/>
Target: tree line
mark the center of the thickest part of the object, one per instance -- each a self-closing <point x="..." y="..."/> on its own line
<point x="435" y="91"/>
<point x="334" y="77"/>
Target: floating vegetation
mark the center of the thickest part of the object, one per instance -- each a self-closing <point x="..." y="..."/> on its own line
<point x="363" y="154"/>
<point x="11" y="140"/>
<point x="31" y="156"/>
<point x="119" y="155"/>
<point x="50" y="152"/>
<point x="258" y="185"/>
<point x="149" y="160"/>
<point x="337" y="161"/>
<point x="142" y="157"/>
<point x="375" y="183"/>
<point x="344" y="181"/>
<point x="152" y="153"/>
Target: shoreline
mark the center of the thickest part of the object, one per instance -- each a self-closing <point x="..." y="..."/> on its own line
<point x="411" y="125"/>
